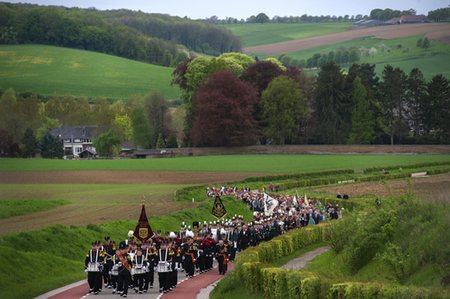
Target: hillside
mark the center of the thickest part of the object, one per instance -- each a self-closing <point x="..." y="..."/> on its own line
<point x="256" y="34"/>
<point x="48" y="69"/>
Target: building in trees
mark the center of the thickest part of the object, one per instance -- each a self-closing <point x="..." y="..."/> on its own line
<point x="75" y="139"/>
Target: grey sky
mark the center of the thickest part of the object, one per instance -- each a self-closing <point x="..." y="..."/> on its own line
<point x="242" y="9"/>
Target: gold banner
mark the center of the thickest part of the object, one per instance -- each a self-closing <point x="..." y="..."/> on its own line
<point x="218" y="210"/>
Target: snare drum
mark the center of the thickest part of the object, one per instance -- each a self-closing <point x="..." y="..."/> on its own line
<point x="139" y="270"/>
<point x="115" y="271"/>
<point x="163" y="267"/>
<point x="93" y="267"/>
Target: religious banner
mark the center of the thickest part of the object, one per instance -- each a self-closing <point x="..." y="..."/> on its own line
<point x="218" y="210"/>
<point x="143" y="231"/>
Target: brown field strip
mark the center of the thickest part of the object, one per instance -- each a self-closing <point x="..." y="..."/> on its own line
<point x="434" y="31"/>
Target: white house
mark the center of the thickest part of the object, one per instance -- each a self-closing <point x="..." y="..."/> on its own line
<point x="76" y="139"/>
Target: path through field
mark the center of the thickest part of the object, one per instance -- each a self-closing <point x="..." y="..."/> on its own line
<point x="434" y="31"/>
<point x="300" y="262"/>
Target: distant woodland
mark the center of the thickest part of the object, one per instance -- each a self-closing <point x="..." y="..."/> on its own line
<point x="152" y="38"/>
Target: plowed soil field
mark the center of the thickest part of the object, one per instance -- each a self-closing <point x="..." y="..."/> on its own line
<point x="434" y="31"/>
<point x="420" y="186"/>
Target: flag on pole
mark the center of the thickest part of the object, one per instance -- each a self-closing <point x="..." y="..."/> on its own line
<point x="306" y="200"/>
<point x="143" y="231"/>
<point x="218" y="210"/>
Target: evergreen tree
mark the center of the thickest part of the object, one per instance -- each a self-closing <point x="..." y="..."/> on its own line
<point x="416" y="98"/>
<point x="160" y="143"/>
<point x="419" y="43"/>
<point x="329" y="103"/>
<point x="362" y="119"/>
<point x="31" y="144"/>
<point x="172" y="141"/>
<point x="51" y="146"/>
<point x="439" y="106"/>
<point x="426" y="43"/>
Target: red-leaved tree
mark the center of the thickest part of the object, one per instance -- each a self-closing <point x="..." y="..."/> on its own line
<point x="223" y="108"/>
<point x="261" y="73"/>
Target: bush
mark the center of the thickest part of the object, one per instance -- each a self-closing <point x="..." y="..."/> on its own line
<point x="383" y="177"/>
<point x="405" y="166"/>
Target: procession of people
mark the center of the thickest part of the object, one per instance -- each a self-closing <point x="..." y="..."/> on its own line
<point x="134" y="263"/>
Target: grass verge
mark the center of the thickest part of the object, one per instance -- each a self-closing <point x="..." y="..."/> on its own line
<point x="13" y="207"/>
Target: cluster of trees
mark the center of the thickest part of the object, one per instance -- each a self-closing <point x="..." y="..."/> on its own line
<point x="387" y="14"/>
<point x="440" y="14"/>
<point x="342" y="56"/>
<point x="233" y="101"/>
<point x="150" y="38"/>
<point x="423" y="43"/>
<point x="142" y="119"/>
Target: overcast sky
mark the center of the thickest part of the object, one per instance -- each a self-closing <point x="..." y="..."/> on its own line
<point x="242" y="9"/>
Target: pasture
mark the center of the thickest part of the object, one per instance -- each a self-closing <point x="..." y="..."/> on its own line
<point x="222" y="163"/>
<point x="256" y="34"/>
<point x="48" y="69"/>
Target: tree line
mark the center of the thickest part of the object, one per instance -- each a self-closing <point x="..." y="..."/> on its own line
<point x="26" y="122"/>
<point x="440" y="14"/>
<point x="245" y="102"/>
<point x="150" y="38"/>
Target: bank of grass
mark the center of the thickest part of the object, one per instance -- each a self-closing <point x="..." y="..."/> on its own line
<point x="15" y="207"/>
<point x="48" y="69"/>
<point x="255" y="34"/>
<point x="223" y="163"/>
<point x="41" y="260"/>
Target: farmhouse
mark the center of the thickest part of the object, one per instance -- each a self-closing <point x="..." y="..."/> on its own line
<point x="75" y="139"/>
<point x="407" y="20"/>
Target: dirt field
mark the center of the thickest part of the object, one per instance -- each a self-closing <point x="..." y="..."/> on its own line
<point x="420" y="186"/>
<point x="434" y="31"/>
<point x="121" y="177"/>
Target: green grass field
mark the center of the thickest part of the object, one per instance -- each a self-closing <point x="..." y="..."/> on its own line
<point x="223" y="163"/>
<point x="48" y="69"/>
<point x="12" y="207"/>
<point x="264" y="34"/>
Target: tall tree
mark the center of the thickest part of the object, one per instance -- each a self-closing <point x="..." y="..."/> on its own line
<point x="223" y="109"/>
<point x="328" y="106"/>
<point x="11" y="116"/>
<point x="439" y="106"/>
<point x="105" y="143"/>
<point x="416" y="98"/>
<point x="142" y="132"/>
<point x="158" y="114"/>
<point x="392" y="98"/>
<point x="283" y="105"/>
<point x="362" y="119"/>
<point x="51" y="146"/>
<point x="6" y="140"/>
<point x="160" y="143"/>
<point x="172" y="141"/>
<point x="31" y="144"/>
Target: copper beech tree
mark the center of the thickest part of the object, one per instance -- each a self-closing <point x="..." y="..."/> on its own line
<point x="223" y="108"/>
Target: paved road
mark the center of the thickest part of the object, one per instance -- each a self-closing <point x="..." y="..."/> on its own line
<point x="186" y="288"/>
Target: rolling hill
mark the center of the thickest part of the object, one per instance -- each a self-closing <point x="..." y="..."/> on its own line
<point x="48" y="69"/>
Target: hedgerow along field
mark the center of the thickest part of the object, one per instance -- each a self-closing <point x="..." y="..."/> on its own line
<point x="256" y="34"/>
<point x="222" y="163"/>
<point x="48" y="69"/>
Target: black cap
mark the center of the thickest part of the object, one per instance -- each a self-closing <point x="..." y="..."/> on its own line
<point x="122" y="245"/>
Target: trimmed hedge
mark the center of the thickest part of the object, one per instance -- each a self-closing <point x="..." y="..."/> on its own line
<point x="438" y="171"/>
<point x="405" y="166"/>
<point x="303" y="183"/>
<point x="297" y="175"/>
<point x="383" y="177"/>
<point x="251" y="268"/>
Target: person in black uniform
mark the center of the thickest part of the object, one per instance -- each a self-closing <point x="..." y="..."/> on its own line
<point x="124" y="266"/>
<point x="140" y="268"/>
<point x="150" y="255"/>
<point x="93" y="266"/>
<point x="221" y="253"/>
<point x="109" y="250"/>
<point x="190" y="251"/>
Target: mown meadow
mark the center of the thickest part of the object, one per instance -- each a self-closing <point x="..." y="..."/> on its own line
<point x="48" y="69"/>
<point x="223" y="163"/>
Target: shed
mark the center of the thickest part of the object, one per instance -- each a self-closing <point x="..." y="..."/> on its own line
<point x="152" y="153"/>
<point x="87" y="154"/>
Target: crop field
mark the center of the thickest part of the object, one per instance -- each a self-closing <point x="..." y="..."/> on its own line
<point x="263" y="34"/>
<point x="48" y="69"/>
<point x="222" y="163"/>
<point x="434" y="31"/>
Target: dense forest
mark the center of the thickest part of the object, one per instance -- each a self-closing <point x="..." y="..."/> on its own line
<point x="152" y="38"/>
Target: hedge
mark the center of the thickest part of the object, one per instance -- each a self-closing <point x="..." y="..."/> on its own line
<point x="303" y="183"/>
<point x="251" y="268"/>
<point x="383" y="177"/>
<point x="438" y="171"/>
<point x="297" y="175"/>
<point x="405" y="166"/>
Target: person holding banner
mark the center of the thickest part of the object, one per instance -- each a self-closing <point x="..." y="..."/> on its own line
<point x="124" y="269"/>
<point x="221" y="253"/>
<point x="190" y="251"/>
